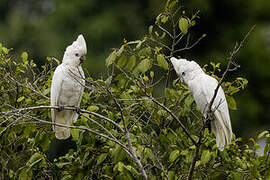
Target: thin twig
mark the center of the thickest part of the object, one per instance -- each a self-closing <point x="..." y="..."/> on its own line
<point x="161" y="105"/>
<point x="166" y="31"/>
<point x="232" y="54"/>
<point x="131" y="149"/>
<point x="72" y="127"/>
<point x="65" y="107"/>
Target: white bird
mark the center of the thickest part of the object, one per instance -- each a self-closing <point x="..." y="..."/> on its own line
<point x="202" y="87"/>
<point x="68" y="86"/>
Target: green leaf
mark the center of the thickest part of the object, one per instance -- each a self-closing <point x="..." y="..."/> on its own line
<point x="67" y="177"/>
<point x="109" y="60"/>
<point x="163" y="35"/>
<point x="173" y="155"/>
<point x="120" y="51"/>
<point x="162" y="62"/>
<point x="35" y="158"/>
<point x="25" y="175"/>
<point x="139" y="44"/>
<point x="145" y="52"/>
<point x="152" y="74"/>
<point x="75" y="133"/>
<point x="107" y="82"/>
<point x="149" y="154"/>
<point x="189" y="100"/>
<point x="231" y="103"/>
<point x="158" y="19"/>
<point x="132" y="170"/>
<point x="172" y="4"/>
<point x="183" y="25"/>
<point x="56" y="60"/>
<point x="131" y="63"/>
<point x="118" y="154"/>
<point x="5" y="50"/>
<point x="119" y="167"/>
<point x="150" y="29"/>
<point x="164" y="19"/>
<point x="41" y="138"/>
<point x="237" y="176"/>
<point x="134" y="42"/>
<point x="205" y="157"/>
<point x="262" y="134"/>
<point x="243" y="82"/>
<point x="170" y="93"/>
<point x="92" y="108"/>
<point x="24" y="57"/>
<point x="193" y="23"/>
<point x="101" y="158"/>
<point x="10" y="173"/>
<point x="62" y="164"/>
<point x="144" y="66"/>
<point x="20" y="99"/>
<point x="171" y="175"/>
<point x="46" y="91"/>
<point x="122" y="61"/>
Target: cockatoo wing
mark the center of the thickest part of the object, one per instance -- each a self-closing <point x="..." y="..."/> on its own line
<point x="203" y="93"/>
<point x="56" y="88"/>
<point x="57" y="91"/>
<point x="82" y="84"/>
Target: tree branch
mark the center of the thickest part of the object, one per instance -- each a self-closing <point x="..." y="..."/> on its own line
<point x="65" y="107"/>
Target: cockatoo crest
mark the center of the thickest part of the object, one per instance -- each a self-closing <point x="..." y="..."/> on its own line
<point x="186" y="69"/>
<point x="75" y="53"/>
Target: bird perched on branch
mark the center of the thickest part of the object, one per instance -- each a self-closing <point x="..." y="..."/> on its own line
<point x="203" y="87"/>
<point x="68" y="86"/>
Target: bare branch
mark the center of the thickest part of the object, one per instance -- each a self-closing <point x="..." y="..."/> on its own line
<point x="187" y="47"/>
<point x="161" y="105"/>
<point x="131" y="149"/>
<point x="65" y="107"/>
<point x="176" y="118"/>
<point x="161" y="44"/>
<point x="17" y="113"/>
<point x="230" y="62"/>
<point x="166" y="31"/>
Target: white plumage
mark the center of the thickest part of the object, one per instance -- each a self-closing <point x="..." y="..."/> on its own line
<point x="202" y="87"/>
<point x="68" y="86"/>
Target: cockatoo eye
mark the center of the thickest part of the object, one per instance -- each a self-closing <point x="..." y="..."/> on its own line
<point x="183" y="73"/>
<point x="77" y="54"/>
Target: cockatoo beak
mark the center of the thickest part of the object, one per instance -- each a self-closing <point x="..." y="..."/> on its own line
<point x="82" y="58"/>
<point x="181" y="79"/>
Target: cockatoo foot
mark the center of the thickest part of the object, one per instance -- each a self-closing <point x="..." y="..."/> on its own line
<point x="60" y="108"/>
<point x="78" y="109"/>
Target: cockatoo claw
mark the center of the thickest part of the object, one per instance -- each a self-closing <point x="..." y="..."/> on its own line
<point x="78" y="109"/>
<point x="60" y="108"/>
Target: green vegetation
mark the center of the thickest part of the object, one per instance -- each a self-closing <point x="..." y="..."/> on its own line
<point x="138" y="122"/>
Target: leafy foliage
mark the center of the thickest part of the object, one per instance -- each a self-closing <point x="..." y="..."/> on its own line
<point x="128" y="128"/>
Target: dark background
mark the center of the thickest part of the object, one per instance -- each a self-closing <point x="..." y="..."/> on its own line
<point x="45" y="27"/>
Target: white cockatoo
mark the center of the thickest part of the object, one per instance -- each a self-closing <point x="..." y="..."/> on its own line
<point x="203" y="87"/>
<point x="68" y="86"/>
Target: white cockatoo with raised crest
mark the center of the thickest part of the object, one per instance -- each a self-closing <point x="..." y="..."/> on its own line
<point x="67" y="87"/>
<point x="202" y="87"/>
